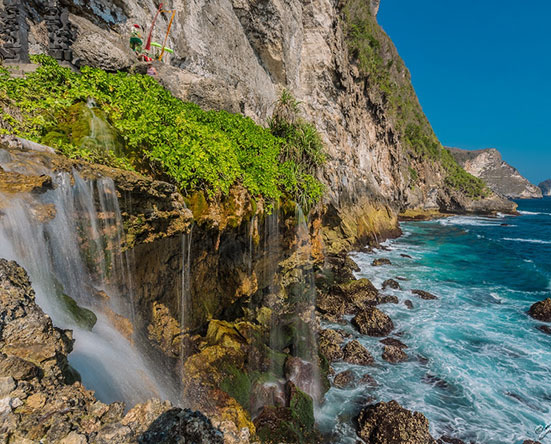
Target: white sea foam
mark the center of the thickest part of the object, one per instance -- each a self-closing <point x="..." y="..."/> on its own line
<point x="469" y="221"/>
<point x="534" y="213"/>
<point x="531" y="241"/>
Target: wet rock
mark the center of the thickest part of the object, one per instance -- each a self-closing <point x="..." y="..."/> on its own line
<point x="435" y="381"/>
<point x="388" y="299"/>
<point x="330" y="303"/>
<point x="541" y="310"/>
<point x="294" y="423"/>
<point x="394" y="354"/>
<point x="424" y="294"/>
<point x="12" y="183"/>
<point x="394" y="342"/>
<point x="391" y="283"/>
<point x="330" y="342"/>
<point x="301" y="373"/>
<point x="408" y="304"/>
<point x="373" y="322"/>
<point x="358" y="294"/>
<point x="177" y="425"/>
<point x="356" y="353"/>
<point x="381" y="261"/>
<point x="545" y="328"/>
<point x="406" y="255"/>
<point x="344" y="379"/>
<point x="367" y="379"/>
<point x="390" y="423"/>
<point x="529" y="441"/>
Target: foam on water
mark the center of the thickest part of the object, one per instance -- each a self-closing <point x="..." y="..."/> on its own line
<point x="477" y="362"/>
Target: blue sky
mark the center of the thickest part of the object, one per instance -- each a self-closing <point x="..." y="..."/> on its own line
<point x="482" y="71"/>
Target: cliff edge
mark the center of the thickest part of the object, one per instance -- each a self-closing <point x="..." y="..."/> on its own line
<point x="545" y="187"/>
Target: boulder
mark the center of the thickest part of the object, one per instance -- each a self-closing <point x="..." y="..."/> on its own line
<point x="541" y="310"/>
<point x="394" y="354"/>
<point x="388" y="299"/>
<point x="344" y="379"/>
<point x="545" y="328"/>
<point x="394" y="342"/>
<point x="408" y="304"/>
<point x="330" y="342"/>
<point x="391" y="283"/>
<point x="381" y="261"/>
<point x="390" y="423"/>
<point x="424" y="294"/>
<point x="358" y="294"/>
<point x="367" y="379"/>
<point x="373" y="322"/>
<point x="356" y="353"/>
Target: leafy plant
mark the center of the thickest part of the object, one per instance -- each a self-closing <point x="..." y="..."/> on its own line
<point x="164" y="136"/>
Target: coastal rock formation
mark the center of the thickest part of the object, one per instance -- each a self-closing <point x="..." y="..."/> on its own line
<point x="545" y="187"/>
<point x="424" y="295"/>
<point x="501" y="177"/>
<point x="42" y="398"/>
<point x="541" y="310"/>
<point x="390" y="423"/>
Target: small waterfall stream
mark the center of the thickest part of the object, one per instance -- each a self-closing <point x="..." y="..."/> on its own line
<point x="77" y="255"/>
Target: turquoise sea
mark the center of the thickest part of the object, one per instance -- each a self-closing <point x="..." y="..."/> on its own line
<point x="478" y="366"/>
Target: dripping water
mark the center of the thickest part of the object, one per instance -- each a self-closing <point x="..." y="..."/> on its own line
<point x="70" y="254"/>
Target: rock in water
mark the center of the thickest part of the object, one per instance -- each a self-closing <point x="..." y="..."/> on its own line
<point x="373" y="322"/>
<point x="344" y="379"/>
<point x="390" y="423"/>
<point x="381" y="261"/>
<point x="394" y="354"/>
<point x="392" y="284"/>
<point x="356" y="353"/>
<point x="424" y="295"/>
<point x="541" y="310"/>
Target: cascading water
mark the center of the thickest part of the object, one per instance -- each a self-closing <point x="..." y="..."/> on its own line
<point x="185" y="296"/>
<point x="76" y="255"/>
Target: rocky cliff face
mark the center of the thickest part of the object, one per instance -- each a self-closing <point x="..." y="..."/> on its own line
<point x="501" y="177"/>
<point x="545" y="187"/>
<point x="238" y="55"/>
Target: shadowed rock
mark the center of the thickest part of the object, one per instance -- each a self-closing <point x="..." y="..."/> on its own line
<point x="424" y="295"/>
<point x="391" y="283"/>
<point x="390" y="423"/>
<point x="408" y="304"/>
<point x="344" y="379"/>
<point x="394" y="342"/>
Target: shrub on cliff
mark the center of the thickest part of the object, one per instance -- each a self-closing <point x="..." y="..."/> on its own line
<point x="161" y="135"/>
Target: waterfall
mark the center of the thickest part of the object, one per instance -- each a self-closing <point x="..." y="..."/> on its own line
<point x="306" y="339"/>
<point x="76" y="255"/>
<point x="185" y="293"/>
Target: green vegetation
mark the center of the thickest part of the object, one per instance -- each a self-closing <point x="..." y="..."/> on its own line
<point x="378" y="61"/>
<point x="161" y="135"/>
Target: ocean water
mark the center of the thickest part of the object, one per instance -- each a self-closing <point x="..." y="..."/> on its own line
<point x="478" y="367"/>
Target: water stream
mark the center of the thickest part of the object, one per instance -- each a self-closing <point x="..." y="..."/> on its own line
<point x="77" y="253"/>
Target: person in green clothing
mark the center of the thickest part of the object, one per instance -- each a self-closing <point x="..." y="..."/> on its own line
<point x="136" y="42"/>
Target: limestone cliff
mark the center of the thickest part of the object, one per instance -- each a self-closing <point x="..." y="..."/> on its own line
<point x="502" y="178"/>
<point x="238" y="55"/>
<point x="545" y="187"/>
